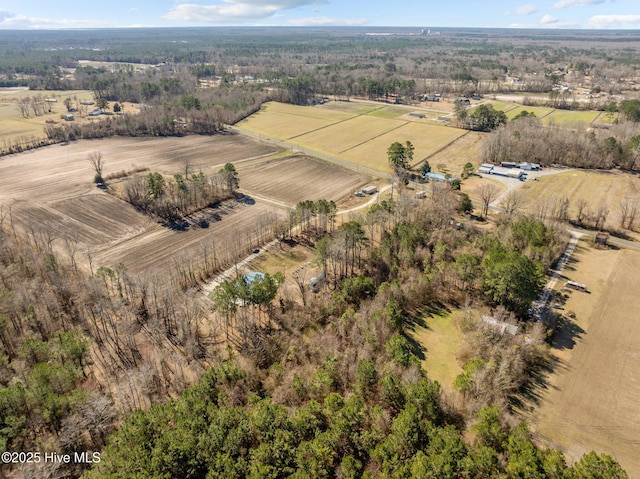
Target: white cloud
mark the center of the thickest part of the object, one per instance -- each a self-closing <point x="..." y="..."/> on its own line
<point x="234" y="10"/>
<point x="526" y="9"/>
<point x="325" y="21"/>
<point x="576" y="3"/>
<point x="614" y="21"/>
<point x="18" y="21"/>
<point x="548" y="20"/>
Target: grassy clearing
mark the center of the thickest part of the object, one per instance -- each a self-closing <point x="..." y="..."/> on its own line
<point x="354" y="108"/>
<point x="605" y="118"/>
<point x="594" y="187"/>
<point x="571" y="118"/>
<point x="466" y="148"/>
<point x="441" y="338"/>
<point x="284" y="122"/>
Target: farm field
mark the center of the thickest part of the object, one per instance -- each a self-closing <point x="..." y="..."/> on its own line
<point x="568" y="118"/>
<point x="354" y="131"/>
<point x="594" y="187"/>
<point x="50" y="190"/>
<point x="297" y="178"/>
<point x="283" y="121"/>
<point x="159" y="248"/>
<point x="340" y="137"/>
<point x="503" y="105"/>
<point x="590" y="400"/>
<point x="427" y="139"/>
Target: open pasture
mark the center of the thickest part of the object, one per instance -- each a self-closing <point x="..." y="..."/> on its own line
<point x="391" y="112"/>
<point x="354" y="108"/>
<point x="591" y="398"/>
<point x="593" y="187"/>
<point x="504" y="105"/>
<point x="50" y="191"/>
<point x="466" y="148"/>
<point x="297" y="178"/>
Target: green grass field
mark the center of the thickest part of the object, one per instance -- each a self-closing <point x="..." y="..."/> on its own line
<point x="441" y="338"/>
<point x="354" y="108"/>
<point x="605" y="118"/>
<point x="571" y="118"/>
<point x="283" y="121"/>
<point x="343" y="136"/>
<point x="389" y="112"/>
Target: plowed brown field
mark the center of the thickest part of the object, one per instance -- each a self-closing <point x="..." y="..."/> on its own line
<point x="50" y="191"/>
<point x="297" y="178"/>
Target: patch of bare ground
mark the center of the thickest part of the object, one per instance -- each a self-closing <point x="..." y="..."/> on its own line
<point x="590" y="400"/>
<point x="297" y="178"/>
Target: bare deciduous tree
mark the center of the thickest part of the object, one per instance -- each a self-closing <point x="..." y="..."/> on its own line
<point x="487" y="193"/>
<point x="581" y="206"/>
<point x="512" y="202"/>
<point x="97" y="161"/>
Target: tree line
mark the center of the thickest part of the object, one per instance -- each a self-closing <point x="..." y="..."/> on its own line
<point x="527" y="139"/>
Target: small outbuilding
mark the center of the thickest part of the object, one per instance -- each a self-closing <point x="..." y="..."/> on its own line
<point x="602" y="238"/>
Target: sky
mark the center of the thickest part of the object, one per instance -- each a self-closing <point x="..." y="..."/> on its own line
<point x="575" y="14"/>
